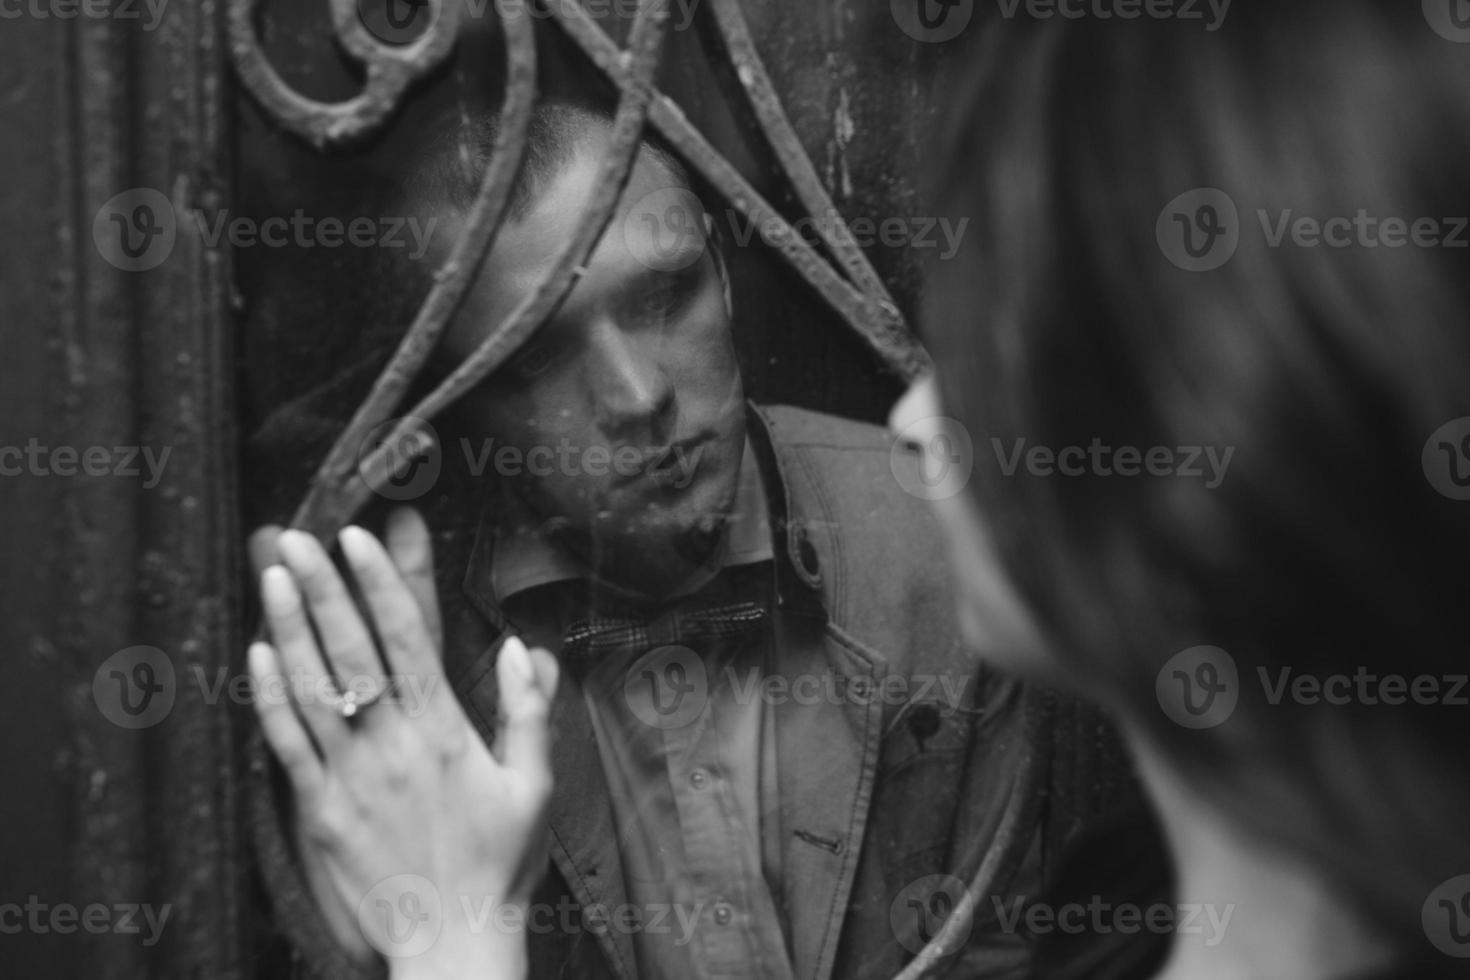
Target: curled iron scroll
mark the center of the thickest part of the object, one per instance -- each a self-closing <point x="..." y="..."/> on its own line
<point x="389" y="72"/>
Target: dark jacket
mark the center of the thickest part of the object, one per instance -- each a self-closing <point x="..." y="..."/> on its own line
<point x="889" y="794"/>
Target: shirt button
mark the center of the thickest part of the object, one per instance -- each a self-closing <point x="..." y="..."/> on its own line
<point x="698" y="778"/>
<point x="723" y="914"/>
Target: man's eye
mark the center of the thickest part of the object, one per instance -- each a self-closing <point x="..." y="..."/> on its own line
<point x="660" y="302"/>
<point x="667" y="299"/>
<point x="535" y="361"/>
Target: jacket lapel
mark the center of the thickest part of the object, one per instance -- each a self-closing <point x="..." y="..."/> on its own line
<point x="827" y="747"/>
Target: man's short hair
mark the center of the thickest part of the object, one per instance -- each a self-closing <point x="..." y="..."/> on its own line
<point x="446" y="172"/>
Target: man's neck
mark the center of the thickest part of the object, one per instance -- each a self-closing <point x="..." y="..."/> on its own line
<point x="641" y="566"/>
<point x="645" y="571"/>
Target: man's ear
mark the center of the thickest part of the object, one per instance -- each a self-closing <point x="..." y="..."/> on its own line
<point x="716" y="246"/>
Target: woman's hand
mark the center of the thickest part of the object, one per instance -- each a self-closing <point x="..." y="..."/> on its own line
<point x="410" y="825"/>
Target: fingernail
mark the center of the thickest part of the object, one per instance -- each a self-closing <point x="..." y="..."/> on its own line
<point x="261" y="659"/>
<point x="355" y="543"/>
<point x="518" y="662"/>
<point x="294" y="547"/>
<point x="278" y="590"/>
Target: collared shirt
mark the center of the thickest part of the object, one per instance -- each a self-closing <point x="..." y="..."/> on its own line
<point x="686" y="746"/>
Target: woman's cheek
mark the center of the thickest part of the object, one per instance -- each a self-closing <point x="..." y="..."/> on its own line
<point x="994" y="620"/>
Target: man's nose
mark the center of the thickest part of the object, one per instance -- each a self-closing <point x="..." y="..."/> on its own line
<point x="627" y="381"/>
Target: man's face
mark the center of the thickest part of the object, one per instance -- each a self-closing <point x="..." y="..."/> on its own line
<point x="626" y="406"/>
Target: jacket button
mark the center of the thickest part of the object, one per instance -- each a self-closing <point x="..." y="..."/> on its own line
<point x="723" y="914"/>
<point x="806" y="554"/>
<point x="924" y="722"/>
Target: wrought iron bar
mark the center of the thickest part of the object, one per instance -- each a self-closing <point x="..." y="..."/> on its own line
<point x="732" y="39"/>
<point x="331" y="499"/>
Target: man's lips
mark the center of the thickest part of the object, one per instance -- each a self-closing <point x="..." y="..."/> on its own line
<point x="672" y="463"/>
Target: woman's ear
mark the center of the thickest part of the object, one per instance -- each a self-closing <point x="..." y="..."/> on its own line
<point x="717" y="249"/>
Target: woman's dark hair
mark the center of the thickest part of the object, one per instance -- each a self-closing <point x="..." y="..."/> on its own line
<point x="1070" y="316"/>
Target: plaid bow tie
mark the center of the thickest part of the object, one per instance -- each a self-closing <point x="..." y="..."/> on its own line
<point x="596" y="637"/>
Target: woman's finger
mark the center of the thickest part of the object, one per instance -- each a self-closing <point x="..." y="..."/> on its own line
<point x="350" y="652"/>
<point x="523" y="741"/>
<point x="280" y="725"/>
<point x="411" y="652"/>
<point x="412" y="550"/>
<point x="544" y="665"/>
<point x="308" y="680"/>
<point x="262" y="548"/>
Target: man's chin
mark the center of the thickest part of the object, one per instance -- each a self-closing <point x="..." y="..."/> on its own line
<point x="687" y="533"/>
<point x="685" y="530"/>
